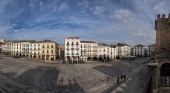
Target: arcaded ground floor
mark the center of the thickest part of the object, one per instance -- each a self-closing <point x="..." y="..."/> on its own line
<point x="56" y="77"/>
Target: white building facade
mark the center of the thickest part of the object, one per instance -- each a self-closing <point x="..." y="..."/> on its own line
<point x="76" y="50"/>
<point x="16" y="48"/>
<point x="150" y="50"/>
<point x="139" y="50"/>
<point x="123" y="50"/>
<point x="72" y="49"/>
<point x="113" y="52"/>
<point x="89" y="49"/>
<point x="103" y="51"/>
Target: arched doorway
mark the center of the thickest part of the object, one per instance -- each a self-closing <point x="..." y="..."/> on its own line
<point x="165" y="74"/>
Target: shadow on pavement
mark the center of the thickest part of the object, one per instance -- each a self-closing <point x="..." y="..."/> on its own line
<point x="110" y="70"/>
<point x="43" y="79"/>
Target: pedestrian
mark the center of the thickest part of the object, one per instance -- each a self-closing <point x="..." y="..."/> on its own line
<point x="118" y="80"/>
<point x="108" y="80"/>
<point x="124" y="77"/>
<point x="121" y="77"/>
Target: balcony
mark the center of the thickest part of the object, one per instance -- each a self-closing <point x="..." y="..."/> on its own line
<point x="77" y="48"/>
<point x="72" y="44"/>
<point x="72" y="48"/>
<point x="67" y="44"/>
<point x="68" y="49"/>
<point x="72" y="53"/>
<point x="77" y="53"/>
<point x="68" y="54"/>
<point x="77" y="44"/>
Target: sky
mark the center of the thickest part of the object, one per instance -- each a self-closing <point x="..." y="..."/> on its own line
<point x="103" y="21"/>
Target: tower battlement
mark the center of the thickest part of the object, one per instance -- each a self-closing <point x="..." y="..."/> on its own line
<point x="163" y="16"/>
<point x="162" y="27"/>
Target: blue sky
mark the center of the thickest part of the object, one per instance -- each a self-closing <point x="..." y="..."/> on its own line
<point x="108" y="21"/>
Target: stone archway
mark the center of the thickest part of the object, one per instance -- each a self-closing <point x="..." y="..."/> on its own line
<point x="165" y="74"/>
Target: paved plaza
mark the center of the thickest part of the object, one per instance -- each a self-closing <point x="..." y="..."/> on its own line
<point x="25" y="76"/>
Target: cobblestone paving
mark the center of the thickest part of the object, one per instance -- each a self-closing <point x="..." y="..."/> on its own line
<point x="90" y="77"/>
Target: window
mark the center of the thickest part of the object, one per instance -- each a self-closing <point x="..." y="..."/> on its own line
<point x="51" y="51"/>
<point x="47" y="46"/>
<point x="47" y="51"/>
<point x="67" y="43"/>
<point x="165" y="74"/>
<point x="43" y="51"/>
<point x="51" y="46"/>
<point x="43" y="46"/>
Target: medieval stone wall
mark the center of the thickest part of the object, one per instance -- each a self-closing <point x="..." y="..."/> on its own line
<point x="162" y="26"/>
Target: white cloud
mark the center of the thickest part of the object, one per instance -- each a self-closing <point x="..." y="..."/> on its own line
<point x="97" y="10"/>
<point x="3" y="4"/>
<point x="121" y="14"/>
<point x="63" y="6"/>
<point x="161" y="8"/>
<point x="76" y="20"/>
<point x="55" y="8"/>
<point x="16" y="30"/>
<point x="84" y="4"/>
<point x="41" y="3"/>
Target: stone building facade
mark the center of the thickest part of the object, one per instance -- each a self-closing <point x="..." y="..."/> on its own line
<point x="160" y="68"/>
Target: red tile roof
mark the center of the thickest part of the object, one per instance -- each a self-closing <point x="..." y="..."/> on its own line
<point x="87" y="42"/>
<point x="139" y="45"/>
<point x="121" y="44"/>
<point x="72" y="38"/>
<point x="152" y="45"/>
<point x="103" y="44"/>
<point x="112" y="46"/>
<point x="46" y="41"/>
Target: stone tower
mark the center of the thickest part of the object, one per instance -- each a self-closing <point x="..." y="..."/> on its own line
<point x="162" y="27"/>
<point x="160" y="67"/>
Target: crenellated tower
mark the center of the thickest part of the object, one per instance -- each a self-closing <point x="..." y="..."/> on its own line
<point x="162" y="27"/>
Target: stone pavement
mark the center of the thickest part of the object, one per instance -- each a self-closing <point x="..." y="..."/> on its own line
<point x="7" y="85"/>
<point x="122" y="86"/>
<point x="131" y="81"/>
<point x="91" y="77"/>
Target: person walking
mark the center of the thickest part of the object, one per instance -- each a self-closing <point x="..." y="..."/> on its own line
<point x="121" y="77"/>
<point x="118" y="80"/>
<point x="108" y="80"/>
<point x="124" y="77"/>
